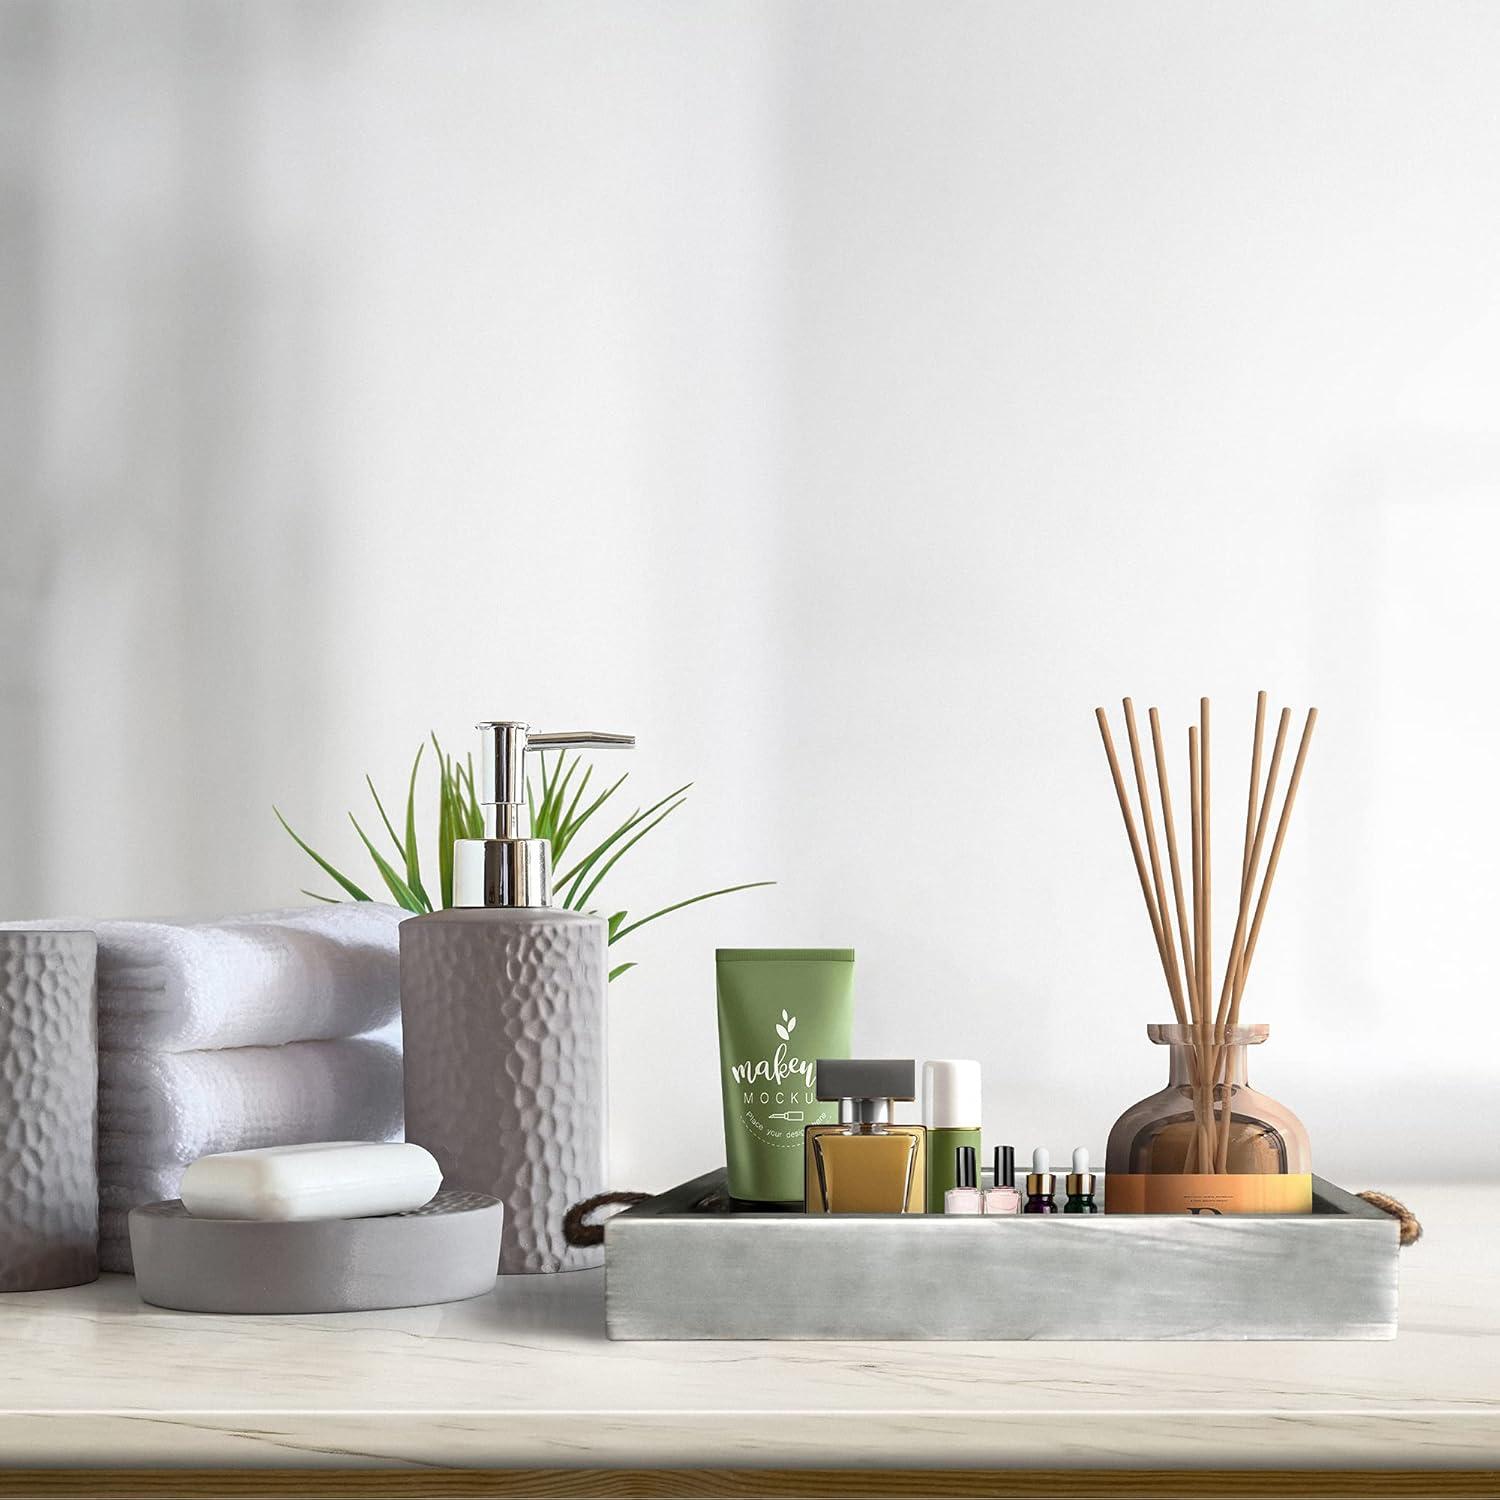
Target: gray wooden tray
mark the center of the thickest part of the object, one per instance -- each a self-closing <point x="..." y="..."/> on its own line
<point x="688" y="1265"/>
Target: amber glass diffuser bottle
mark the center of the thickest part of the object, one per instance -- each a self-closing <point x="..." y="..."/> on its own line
<point x="864" y="1164"/>
<point x="1207" y="1143"/>
<point x="1157" y="1135"/>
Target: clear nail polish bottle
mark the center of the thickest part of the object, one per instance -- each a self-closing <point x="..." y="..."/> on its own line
<point x="965" y="1197"/>
<point x="1003" y="1197"/>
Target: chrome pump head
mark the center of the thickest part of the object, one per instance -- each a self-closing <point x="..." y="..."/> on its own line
<point x="507" y="867"/>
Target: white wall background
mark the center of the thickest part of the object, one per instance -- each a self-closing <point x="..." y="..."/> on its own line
<point x="846" y="398"/>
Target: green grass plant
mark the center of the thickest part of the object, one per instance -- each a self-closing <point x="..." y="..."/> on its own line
<point x="562" y="814"/>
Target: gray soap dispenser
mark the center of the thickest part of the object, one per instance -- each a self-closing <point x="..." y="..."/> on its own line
<point x="502" y="1014"/>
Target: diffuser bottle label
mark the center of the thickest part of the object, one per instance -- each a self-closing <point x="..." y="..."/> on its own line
<point x="1203" y="1193"/>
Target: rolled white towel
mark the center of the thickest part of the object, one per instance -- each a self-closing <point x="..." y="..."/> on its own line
<point x="160" y="1108"/>
<point x="302" y="974"/>
<point x="158" y="1111"/>
<point x="123" y="1189"/>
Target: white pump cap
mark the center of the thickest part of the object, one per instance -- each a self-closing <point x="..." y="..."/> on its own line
<point x="951" y="1095"/>
<point x="1041" y="1161"/>
<point x="1080" y="1160"/>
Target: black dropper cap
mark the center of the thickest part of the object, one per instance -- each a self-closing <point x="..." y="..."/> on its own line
<point x="967" y="1169"/>
<point x="1005" y="1166"/>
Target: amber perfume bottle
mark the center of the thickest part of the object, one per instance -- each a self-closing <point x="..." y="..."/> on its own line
<point x="864" y="1164"/>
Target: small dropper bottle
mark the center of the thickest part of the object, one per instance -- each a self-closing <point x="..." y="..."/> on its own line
<point x="1041" y="1184"/>
<point x="1080" y="1185"/>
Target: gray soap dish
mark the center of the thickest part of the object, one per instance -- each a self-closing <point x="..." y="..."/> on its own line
<point x="443" y="1252"/>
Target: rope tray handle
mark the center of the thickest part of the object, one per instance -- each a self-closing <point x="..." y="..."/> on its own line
<point x="577" y="1229"/>
<point x="1411" y="1225"/>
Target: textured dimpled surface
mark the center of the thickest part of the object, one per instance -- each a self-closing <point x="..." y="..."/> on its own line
<point x="49" y="1190"/>
<point x="440" y="1204"/>
<point x="503" y="1022"/>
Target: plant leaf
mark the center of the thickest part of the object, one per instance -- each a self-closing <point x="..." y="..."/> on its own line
<point x="728" y="890"/>
<point x="472" y="814"/>
<point x="394" y="883"/>
<point x="445" y="824"/>
<point x="619" y="969"/>
<point x="582" y="868"/>
<point x="331" y="900"/>
<point x="546" y="789"/>
<point x="552" y="807"/>
<point x="782" y="1032"/>
<point x="562" y="835"/>
<point x="321" y="863"/>
<point x="582" y="818"/>
<point x="413" y="858"/>
<point x="379" y="807"/>
<point x="623" y="850"/>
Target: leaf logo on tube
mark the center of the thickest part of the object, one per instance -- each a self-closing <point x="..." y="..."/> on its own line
<point x="777" y="1068"/>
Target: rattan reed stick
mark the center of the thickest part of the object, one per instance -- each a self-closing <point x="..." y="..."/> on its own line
<point x="1198" y="1146"/>
<point x="1158" y="881"/>
<point x="1260" y="822"/>
<point x="1205" y="767"/>
<point x="1135" y="842"/>
<point x="1271" y="864"/>
<point x="1242" y="966"/>
<point x="1203" y="1080"/>
<point x="1247" y="882"/>
<point x="1254" y="797"/>
<point x="1170" y="828"/>
<point x="1195" y="811"/>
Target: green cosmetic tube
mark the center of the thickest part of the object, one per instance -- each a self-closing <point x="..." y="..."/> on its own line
<point x="780" y="1010"/>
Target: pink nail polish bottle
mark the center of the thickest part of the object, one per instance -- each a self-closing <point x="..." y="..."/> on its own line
<point x="965" y="1198"/>
<point x="1003" y="1197"/>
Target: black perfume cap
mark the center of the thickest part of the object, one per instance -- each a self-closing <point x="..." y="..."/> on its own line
<point x="967" y="1168"/>
<point x="867" y="1078"/>
<point x="1005" y="1166"/>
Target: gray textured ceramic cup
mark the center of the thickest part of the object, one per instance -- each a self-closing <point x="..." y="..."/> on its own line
<point x="49" y="1102"/>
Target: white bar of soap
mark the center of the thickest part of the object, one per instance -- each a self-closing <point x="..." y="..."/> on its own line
<point x="323" y="1180"/>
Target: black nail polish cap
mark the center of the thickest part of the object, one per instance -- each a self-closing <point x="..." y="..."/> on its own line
<point x="1005" y="1166"/>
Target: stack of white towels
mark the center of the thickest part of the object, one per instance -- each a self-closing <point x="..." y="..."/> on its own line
<point x="264" y="1030"/>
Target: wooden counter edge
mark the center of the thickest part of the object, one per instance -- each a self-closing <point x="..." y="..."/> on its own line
<point x="730" y="1484"/>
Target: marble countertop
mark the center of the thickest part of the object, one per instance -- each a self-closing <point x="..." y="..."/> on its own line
<point x="525" y="1377"/>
